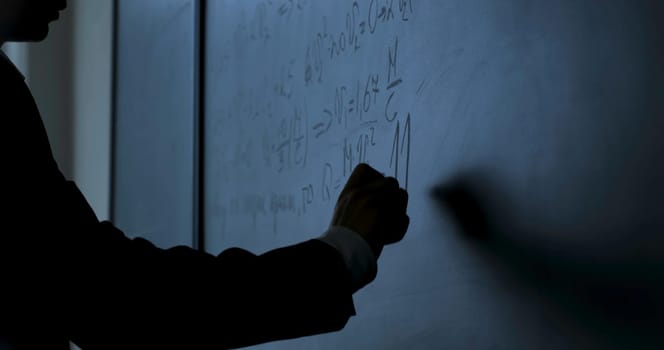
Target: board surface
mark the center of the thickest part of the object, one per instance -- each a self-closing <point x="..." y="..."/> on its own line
<point x="154" y="121"/>
<point x="528" y="134"/>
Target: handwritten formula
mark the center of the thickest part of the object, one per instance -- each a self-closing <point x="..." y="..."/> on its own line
<point x="296" y="96"/>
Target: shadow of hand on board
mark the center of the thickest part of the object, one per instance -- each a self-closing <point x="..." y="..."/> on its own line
<point x="618" y="298"/>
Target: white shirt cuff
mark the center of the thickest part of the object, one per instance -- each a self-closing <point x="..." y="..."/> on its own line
<point x="356" y="253"/>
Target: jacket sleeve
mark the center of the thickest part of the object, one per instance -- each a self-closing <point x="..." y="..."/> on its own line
<point x="128" y="293"/>
<point x="63" y="273"/>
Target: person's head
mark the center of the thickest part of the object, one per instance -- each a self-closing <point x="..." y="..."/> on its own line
<point x="27" y="20"/>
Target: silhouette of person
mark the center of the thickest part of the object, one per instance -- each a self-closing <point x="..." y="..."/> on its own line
<point x="66" y="276"/>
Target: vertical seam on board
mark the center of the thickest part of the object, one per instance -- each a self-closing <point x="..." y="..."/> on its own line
<point x="114" y="100"/>
<point x="199" y="81"/>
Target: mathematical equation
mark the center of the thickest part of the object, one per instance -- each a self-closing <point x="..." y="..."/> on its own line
<point x="302" y="116"/>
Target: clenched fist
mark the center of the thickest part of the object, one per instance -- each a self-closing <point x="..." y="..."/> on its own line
<point x="374" y="206"/>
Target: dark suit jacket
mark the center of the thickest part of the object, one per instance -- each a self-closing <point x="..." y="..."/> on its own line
<point x="65" y="275"/>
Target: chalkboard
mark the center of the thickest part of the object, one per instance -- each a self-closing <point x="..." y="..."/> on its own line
<point x="153" y="151"/>
<point x="528" y="134"/>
